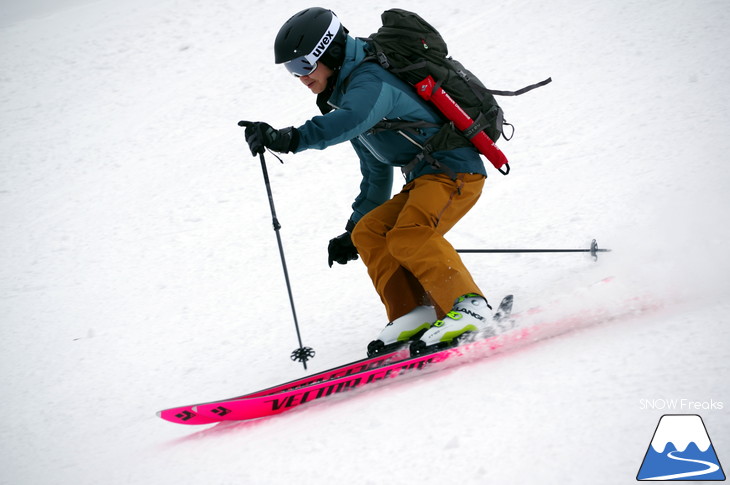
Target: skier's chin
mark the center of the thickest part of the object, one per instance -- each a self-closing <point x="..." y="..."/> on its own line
<point x="315" y="87"/>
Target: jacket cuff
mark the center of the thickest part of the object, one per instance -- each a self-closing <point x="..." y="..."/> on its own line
<point x="350" y="226"/>
<point x="293" y="135"/>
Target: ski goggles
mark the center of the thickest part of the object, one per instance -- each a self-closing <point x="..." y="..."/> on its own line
<point x="301" y="66"/>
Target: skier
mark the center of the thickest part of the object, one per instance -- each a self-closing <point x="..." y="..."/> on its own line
<point x="429" y="296"/>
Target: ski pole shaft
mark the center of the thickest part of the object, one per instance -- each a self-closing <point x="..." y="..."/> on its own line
<point x="594" y="250"/>
<point x="301" y="354"/>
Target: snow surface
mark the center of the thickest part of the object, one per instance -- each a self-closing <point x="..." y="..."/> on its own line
<point x="139" y="271"/>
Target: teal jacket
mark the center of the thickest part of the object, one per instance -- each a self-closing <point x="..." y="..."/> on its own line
<point x="365" y="94"/>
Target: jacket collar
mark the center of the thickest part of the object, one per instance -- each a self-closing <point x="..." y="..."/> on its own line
<point x="354" y="55"/>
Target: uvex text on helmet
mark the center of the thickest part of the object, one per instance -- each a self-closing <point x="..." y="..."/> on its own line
<point x="307" y="37"/>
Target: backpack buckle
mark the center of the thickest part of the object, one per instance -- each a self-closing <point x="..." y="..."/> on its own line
<point x="383" y="60"/>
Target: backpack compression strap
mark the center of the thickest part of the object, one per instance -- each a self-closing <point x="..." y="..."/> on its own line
<point x="524" y="90"/>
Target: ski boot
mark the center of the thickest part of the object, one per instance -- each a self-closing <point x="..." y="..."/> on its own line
<point x="470" y="317"/>
<point x="402" y="330"/>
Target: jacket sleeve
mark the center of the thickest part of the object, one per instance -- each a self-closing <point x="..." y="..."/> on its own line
<point x="376" y="185"/>
<point x="367" y="101"/>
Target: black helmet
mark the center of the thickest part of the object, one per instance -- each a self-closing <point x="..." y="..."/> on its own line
<point x="312" y="35"/>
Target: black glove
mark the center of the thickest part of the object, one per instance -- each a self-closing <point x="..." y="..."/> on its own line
<point x="261" y="135"/>
<point x="341" y="249"/>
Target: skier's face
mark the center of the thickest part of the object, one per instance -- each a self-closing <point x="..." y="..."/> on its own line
<point x="316" y="80"/>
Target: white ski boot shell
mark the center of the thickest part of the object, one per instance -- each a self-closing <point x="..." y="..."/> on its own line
<point x="471" y="314"/>
<point x="403" y="329"/>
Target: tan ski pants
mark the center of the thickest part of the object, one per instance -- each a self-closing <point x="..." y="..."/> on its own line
<point x="402" y="244"/>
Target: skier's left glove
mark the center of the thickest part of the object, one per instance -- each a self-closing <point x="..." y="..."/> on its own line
<point x="341" y="249"/>
<point x="260" y="136"/>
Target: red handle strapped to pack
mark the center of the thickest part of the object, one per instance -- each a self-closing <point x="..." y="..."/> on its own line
<point x="463" y="122"/>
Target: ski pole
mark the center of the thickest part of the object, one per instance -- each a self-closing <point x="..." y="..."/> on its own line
<point x="302" y="354"/>
<point x="594" y="250"/>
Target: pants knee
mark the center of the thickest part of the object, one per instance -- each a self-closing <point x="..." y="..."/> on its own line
<point x="401" y="242"/>
<point x="366" y="234"/>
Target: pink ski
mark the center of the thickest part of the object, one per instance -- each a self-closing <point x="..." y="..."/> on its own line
<point x="188" y="415"/>
<point x="267" y="405"/>
<point x="534" y="325"/>
<point x="538" y="325"/>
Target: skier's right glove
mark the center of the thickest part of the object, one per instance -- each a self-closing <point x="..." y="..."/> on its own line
<point x="341" y="249"/>
<point x="261" y="135"/>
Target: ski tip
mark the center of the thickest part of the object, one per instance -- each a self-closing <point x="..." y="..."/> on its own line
<point x="504" y="310"/>
<point x="185" y="416"/>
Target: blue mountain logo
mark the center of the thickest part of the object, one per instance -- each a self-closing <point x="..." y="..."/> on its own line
<point x="681" y="450"/>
